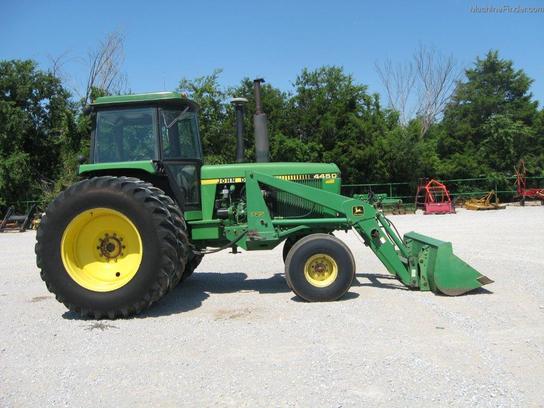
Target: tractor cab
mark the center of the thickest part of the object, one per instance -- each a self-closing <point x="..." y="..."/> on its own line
<point x="159" y="129"/>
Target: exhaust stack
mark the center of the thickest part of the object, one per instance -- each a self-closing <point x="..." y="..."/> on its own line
<point x="239" y="107"/>
<point x="262" y="150"/>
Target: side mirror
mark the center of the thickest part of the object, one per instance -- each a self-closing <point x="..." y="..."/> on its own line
<point x="81" y="159"/>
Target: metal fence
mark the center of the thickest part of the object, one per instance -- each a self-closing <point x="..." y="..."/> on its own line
<point x="505" y="188"/>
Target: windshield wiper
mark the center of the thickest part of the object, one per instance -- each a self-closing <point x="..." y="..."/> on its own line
<point x="176" y="119"/>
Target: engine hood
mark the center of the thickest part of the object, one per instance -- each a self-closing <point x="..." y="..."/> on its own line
<point x="220" y="172"/>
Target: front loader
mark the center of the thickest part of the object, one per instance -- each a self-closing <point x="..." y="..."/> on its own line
<point x="147" y="210"/>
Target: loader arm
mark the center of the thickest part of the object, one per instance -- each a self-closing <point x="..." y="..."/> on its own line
<point x="417" y="261"/>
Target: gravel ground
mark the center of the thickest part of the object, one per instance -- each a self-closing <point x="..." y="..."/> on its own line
<point x="234" y="335"/>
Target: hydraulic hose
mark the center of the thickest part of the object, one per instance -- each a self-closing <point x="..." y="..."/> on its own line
<point x="227" y="245"/>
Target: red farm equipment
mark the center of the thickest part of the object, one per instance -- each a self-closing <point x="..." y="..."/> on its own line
<point x="521" y="186"/>
<point x="434" y="198"/>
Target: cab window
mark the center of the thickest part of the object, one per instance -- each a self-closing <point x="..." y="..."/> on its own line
<point x="179" y="134"/>
<point x="125" y="135"/>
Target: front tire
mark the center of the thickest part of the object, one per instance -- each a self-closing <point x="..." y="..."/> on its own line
<point x="319" y="268"/>
<point x="287" y="245"/>
<point x="289" y="242"/>
<point x="107" y="247"/>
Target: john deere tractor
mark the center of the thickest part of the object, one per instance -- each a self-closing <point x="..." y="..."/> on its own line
<point x="146" y="211"/>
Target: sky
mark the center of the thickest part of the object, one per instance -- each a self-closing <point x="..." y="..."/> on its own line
<point x="168" y="40"/>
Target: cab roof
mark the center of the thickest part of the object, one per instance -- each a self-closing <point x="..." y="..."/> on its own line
<point x="170" y="98"/>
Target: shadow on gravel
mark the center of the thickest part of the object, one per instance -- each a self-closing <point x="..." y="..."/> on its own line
<point x="347" y="296"/>
<point x="391" y="282"/>
<point x="74" y="316"/>
<point x="478" y="291"/>
<point x="379" y="281"/>
<point x="191" y="293"/>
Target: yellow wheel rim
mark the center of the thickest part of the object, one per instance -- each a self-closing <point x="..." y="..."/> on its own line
<point x="320" y="270"/>
<point x="101" y="249"/>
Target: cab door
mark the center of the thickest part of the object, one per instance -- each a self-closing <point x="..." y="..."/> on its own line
<point x="181" y="154"/>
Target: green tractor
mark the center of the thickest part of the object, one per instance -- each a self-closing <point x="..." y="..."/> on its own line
<point x="147" y="210"/>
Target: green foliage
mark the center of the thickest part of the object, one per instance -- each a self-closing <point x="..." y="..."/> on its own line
<point x="33" y="128"/>
<point x="501" y="136"/>
<point x="274" y="102"/>
<point x="41" y="134"/>
<point x="213" y="115"/>
<point x="330" y="110"/>
<point x="534" y="157"/>
<point x="490" y="123"/>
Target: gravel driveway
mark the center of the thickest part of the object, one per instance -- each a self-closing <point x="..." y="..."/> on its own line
<point x="234" y="335"/>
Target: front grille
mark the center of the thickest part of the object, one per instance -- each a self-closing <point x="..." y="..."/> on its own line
<point x="289" y="205"/>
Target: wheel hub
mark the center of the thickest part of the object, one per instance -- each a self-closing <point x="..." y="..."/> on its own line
<point x="320" y="270"/>
<point x="110" y="247"/>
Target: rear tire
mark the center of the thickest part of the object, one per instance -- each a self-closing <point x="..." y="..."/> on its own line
<point x="72" y="237"/>
<point x="192" y="264"/>
<point x="190" y="260"/>
<point x="183" y="247"/>
<point x="319" y="268"/>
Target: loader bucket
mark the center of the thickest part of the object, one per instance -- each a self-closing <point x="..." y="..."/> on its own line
<point x="439" y="269"/>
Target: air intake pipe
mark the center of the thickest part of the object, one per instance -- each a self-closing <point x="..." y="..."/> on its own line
<point x="239" y="107"/>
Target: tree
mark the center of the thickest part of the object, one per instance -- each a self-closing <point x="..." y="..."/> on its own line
<point x="437" y="76"/>
<point x="329" y="117"/>
<point x="105" y="65"/>
<point x="332" y="111"/>
<point x="405" y="155"/>
<point x="501" y="135"/>
<point x="213" y="115"/>
<point x="398" y="81"/>
<point x="430" y="75"/>
<point x="217" y="117"/>
<point x="533" y="151"/>
<point x="275" y="104"/>
<point x="36" y="119"/>
<point x="493" y="106"/>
